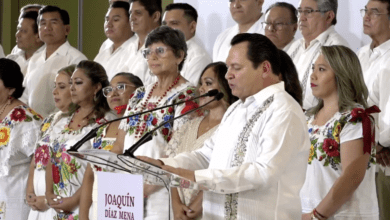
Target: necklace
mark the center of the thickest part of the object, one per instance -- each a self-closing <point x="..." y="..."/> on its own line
<point x="140" y="131"/>
<point x="79" y="125"/>
<point x="5" y="105"/>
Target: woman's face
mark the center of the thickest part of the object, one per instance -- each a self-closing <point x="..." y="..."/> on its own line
<point x="161" y="59"/>
<point x="323" y="79"/>
<point x="4" y="92"/>
<point x="207" y="82"/>
<point x="121" y="89"/>
<point x="82" y="89"/>
<point x="61" y="92"/>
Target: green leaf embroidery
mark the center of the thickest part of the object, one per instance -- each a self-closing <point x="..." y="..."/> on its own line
<point x="28" y="119"/>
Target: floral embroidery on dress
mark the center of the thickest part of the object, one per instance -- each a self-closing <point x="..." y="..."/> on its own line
<point x="42" y="151"/>
<point x="66" y="216"/>
<point x="16" y="116"/>
<point x="99" y="141"/>
<point x="325" y="140"/>
<point x="231" y="200"/>
<point x="64" y="167"/>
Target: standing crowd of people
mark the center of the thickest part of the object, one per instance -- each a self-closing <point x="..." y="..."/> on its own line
<point x="302" y="130"/>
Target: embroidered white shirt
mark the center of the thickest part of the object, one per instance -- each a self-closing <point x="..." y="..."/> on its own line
<point x="41" y="72"/>
<point x="197" y="59"/>
<point x="303" y="59"/>
<point x="287" y="47"/>
<point x="20" y="58"/>
<point x="373" y="60"/>
<point x="274" y="161"/>
<point x="222" y="44"/>
<point x="113" y="62"/>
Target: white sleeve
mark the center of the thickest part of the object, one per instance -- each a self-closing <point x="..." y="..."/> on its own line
<point x="1" y="52"/>
<point x="351" y="131"/>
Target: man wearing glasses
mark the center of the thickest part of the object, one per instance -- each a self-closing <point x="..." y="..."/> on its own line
<point x="248" y="16"/>
<point x="280" y="24"/>
<point x="374" y="59"/>
<point x="316" y="20"/>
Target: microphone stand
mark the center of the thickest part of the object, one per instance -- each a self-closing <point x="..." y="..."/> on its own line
<point x="93" y="132"/>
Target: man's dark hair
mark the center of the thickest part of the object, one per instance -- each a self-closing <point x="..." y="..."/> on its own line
<point x="189" y="12"/>
<point x="261" y="49"/>
<point x="290" y="7"/>
<point x="175" y="39"/>
<point x="31" y="6"/>
<point x="388" y="6"/>
<point x="151" y="6"/>
<point x="120" y="4"/>
<point x="33" y="15"/>
<point x="63" y="13"/>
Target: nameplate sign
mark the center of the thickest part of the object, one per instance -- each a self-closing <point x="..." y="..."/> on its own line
<point x="120" y="196"/>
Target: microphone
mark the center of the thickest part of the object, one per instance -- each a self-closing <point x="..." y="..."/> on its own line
<point x="93" y="132"/>
<point x="149" y="136"/>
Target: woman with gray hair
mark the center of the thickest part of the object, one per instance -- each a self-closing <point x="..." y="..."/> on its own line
<point x="340" y="177"/>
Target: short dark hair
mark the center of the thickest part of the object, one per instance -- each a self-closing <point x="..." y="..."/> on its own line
<point x="12" y="76"/>
<point x="151" y="6"/>
<point x="132" y="78"/>
<point x="388" y="6"/>
<point x="33" y="15"/>
<point x="30" y="6"/>
<point x="63" y="13"/>
<point x="120" y="4"/>
<point x="189" y="12"/>
<point x="96" y="73"/>
<point x="290" y="76"/>
<point x="170" y="37"/>
<point x="220" y="69"/>
<point x="290" y="7"/>
<point x="261" y="49"/>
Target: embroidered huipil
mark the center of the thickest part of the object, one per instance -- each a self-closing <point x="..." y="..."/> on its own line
<point x="324" y="167"/>
<point x="255" y="162"/>
<point x="18" y="133"/>
<point x="186" y="140"/>
<point x="105" y="143"/>
<point x="222" y="43"/>
<point x="304" y="58"/>
<point x="156" y="205"/>
<point x="67" y="170"/>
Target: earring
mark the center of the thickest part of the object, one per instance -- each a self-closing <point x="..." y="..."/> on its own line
<point x="9" y="100"/>
<point x="95" y="98"/>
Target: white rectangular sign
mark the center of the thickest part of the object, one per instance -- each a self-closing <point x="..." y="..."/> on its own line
<point x="120" y="196"/>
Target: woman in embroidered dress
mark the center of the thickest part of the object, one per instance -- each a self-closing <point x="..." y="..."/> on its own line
<point x="212" y="77"/>
<point x="19" y="128"/>
<point x="165" y="52"/>
<point x="340" y="174"/>
<point x="36" y="184"/>
<point x="64" y="172"/>
<point x="117" y="93"/>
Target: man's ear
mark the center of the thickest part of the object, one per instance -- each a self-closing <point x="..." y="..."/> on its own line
<point x="266" y="68"/>
<point x="330" y="17"/>
<point x="193" y="27"/>
<point x="67" y="29"/>
<point x="156" y="16"/>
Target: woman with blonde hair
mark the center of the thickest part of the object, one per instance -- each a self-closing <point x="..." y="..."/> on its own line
<point x="341" y="167"/>
<point x="36" y="183"/>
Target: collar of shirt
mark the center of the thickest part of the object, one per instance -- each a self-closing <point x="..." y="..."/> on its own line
<point x="379" y="50"/>
<point x="62" y="50"/>
<point x="21" y="53"/>
<point x="254" y="28"/>
<point x="110" y="45"/>
<point x="320" y="38"/>
<point x="253" y="102"/>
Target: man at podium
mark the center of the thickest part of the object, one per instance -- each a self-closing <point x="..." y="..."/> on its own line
<point x="255" y="163"/>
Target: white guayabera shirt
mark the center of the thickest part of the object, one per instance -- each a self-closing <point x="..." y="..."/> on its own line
<point x="303" y="59"/>
<point x="113" y="62"/>
<point x="222" y="43"/>
<point x="255" y="162"/>
<point x="20" y="58"/>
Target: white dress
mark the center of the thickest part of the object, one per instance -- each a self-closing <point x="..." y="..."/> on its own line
<point x="156" y="204"/>
<point x="254" y="163"/>
<point x="18" y="133"/>
<point x="324" y="167"/>
<point x="68" y="171"/>
<point x="49" y="128"/>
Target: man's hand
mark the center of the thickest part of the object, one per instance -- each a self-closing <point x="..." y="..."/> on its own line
<point x="188" y="174"/>
<point x="158" y="163"/>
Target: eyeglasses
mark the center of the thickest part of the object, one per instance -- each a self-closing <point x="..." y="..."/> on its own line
<point x="307" y="12"/>
<point x="373" y="13"/>
<point x="160" y="52"/>
<point x="276" y="26"/>
<point x="121" y="88"/>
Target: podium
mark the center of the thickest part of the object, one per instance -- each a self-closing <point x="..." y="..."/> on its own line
<point x="151" y="174"/>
